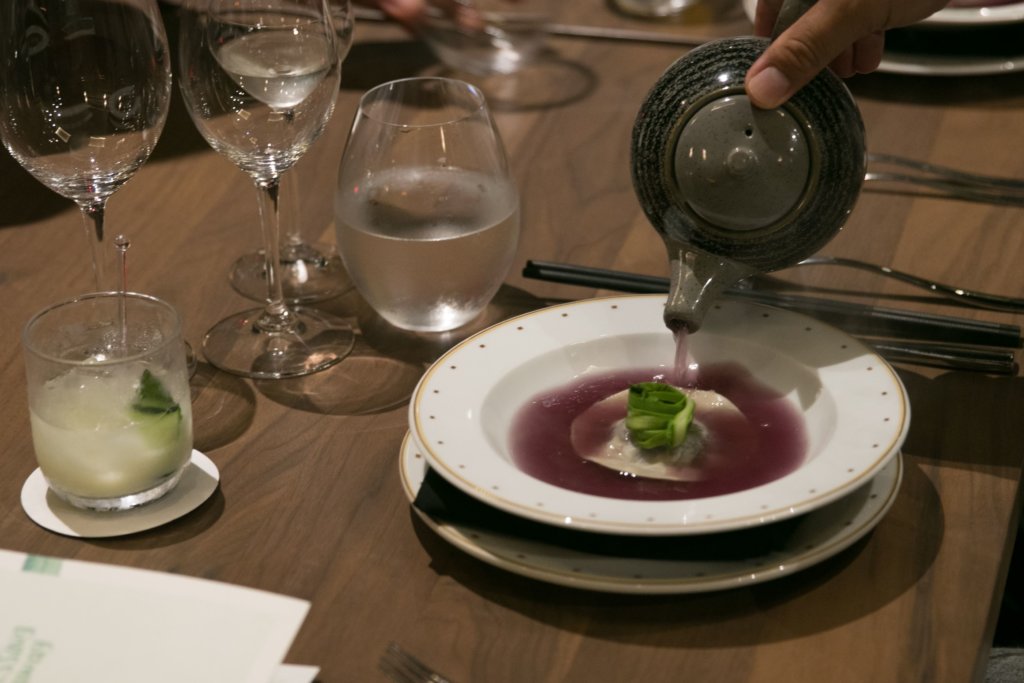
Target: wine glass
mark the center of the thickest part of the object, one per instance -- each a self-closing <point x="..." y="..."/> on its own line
<point x="84" y="90"/>
<point x="426" y="210"/>
<point x="259" y="79"/>
<point x="308" y="272"/>
<point x="344" y="25"/>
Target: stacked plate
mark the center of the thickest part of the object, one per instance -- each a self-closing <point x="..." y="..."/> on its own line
<point x="458" y="469"/>
<point x="967" y="38"/>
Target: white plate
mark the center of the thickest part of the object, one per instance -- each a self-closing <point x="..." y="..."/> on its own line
<point x="854" y="406"/>
<point x="928" y="64"/>
<point x="1009" y="13"/>
<point x="916" y="64"/>
<point x="961" y="17"/>
<point x="820" y="535"/>
<point x="197" y="483"/>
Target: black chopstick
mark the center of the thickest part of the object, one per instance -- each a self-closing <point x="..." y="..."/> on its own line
<point x="935" y="340"/>
<point x="852" y="317"/>
<point x="889" y="322"/>
<point x="945" y="356"/>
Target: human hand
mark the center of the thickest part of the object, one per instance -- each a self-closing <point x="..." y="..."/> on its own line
<point x="409" y="13"/>
<point x="845" y="35"/>
<point x="406" y="12"/>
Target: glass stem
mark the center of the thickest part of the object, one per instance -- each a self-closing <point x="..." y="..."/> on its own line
<point x="294" y="249"/>
<point x="292" y="235"/>
<point x="92" y="217"/>
<point x="276" y="316"/>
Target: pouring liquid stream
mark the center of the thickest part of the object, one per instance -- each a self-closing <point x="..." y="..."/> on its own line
<point x="685" y="370"/>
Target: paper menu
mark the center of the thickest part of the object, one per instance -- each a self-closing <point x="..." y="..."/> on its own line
<point x="65" y="620"/>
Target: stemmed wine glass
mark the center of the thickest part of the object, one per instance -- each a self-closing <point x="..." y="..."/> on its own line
<point x="308" y="272"/>
<point x="84" y="91"/>
<point x="259" y="78"/>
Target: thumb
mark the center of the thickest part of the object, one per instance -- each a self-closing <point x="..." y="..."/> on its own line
<point x="799" y="53"/>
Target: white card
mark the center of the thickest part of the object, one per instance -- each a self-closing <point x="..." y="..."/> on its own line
<point x="65" y="620"/>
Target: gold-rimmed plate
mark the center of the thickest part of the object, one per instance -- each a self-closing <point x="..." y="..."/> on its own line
<point x="853" y="405"/>
<point x="811" y="539"/>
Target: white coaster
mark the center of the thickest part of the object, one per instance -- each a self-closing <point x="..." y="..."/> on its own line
<point x="198" y="482"/>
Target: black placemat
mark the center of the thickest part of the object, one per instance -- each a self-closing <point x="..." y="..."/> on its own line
<point x="446" y="503"/>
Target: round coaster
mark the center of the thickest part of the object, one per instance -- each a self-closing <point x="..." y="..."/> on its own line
<point x="198" y="482"/>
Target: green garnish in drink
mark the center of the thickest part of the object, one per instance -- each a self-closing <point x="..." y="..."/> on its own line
<point x="152" y="398"/>
<point x="155" y="411"/>
<point x="658" y="415"/>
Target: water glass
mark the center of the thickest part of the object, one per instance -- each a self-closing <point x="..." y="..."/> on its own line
<point x="109" y="400"/>
<point x="426" y="210"/>
<point x="486" y="37"/>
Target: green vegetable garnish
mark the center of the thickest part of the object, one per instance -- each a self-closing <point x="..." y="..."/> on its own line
<point x="157" y="414"/>
<point x="658" y="415"/>
<point x="152" y="396"/>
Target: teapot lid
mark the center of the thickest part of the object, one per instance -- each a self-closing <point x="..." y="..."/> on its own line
<point x="765" y="188"/>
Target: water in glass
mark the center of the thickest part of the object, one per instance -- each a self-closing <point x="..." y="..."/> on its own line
<point x="427" y="212"/>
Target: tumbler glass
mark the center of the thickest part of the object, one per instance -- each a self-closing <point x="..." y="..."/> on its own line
<point x="426" y="210"/>
<point x="109" y="400"/>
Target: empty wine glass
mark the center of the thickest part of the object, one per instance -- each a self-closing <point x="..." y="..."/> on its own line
<point x="308" y="272"/>
<point x="426" y="210"/>
<point x="84" y="90"/>
<point x="259" y="78"/>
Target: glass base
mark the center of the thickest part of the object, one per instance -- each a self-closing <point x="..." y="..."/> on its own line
<point x="120" y="503"/>
<point x="308" y="274"/>
<point x="653" y="9"/>
<point x="243" y="344"/>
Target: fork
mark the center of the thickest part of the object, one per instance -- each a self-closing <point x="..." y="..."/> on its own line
<point x="967" y="297"/>
<point x="945" y="181"/>
<point x="402" y="667"/>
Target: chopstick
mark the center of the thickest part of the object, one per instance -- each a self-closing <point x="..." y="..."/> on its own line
<point x="890" y="322"/>
<point x="576" y="31"/>
<point x="933" y="340"/>
<point x="852" y="317"/>
<point x="624" y="34"/>
<point x="946" y="356"/>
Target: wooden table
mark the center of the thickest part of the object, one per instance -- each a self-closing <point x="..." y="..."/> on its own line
<point x="310" y="502"/>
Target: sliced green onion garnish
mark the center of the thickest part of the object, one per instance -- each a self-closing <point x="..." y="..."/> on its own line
<point x="658" y="415"/>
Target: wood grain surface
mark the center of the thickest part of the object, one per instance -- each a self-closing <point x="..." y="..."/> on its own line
<point x="310" y="502"/>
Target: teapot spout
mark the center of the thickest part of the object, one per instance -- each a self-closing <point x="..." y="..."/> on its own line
<point x="698" y="279"/>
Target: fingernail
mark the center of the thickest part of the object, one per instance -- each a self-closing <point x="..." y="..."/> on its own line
<point x="769" y="88"/>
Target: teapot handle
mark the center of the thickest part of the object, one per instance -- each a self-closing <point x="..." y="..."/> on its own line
<point x="791" y="11"/>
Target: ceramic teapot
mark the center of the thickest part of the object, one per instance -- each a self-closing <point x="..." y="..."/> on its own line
<point x="735" y="190"/>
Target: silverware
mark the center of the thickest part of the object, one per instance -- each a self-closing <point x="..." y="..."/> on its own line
<point x="899" y="336"/>
<point x="944" y="181"/>
<point x="402" y="667"/>
<point x="993" y="302"/>
<point x="945" y="356"/>
<point x="624" y="34"/>
<point x="853" y="317"/>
